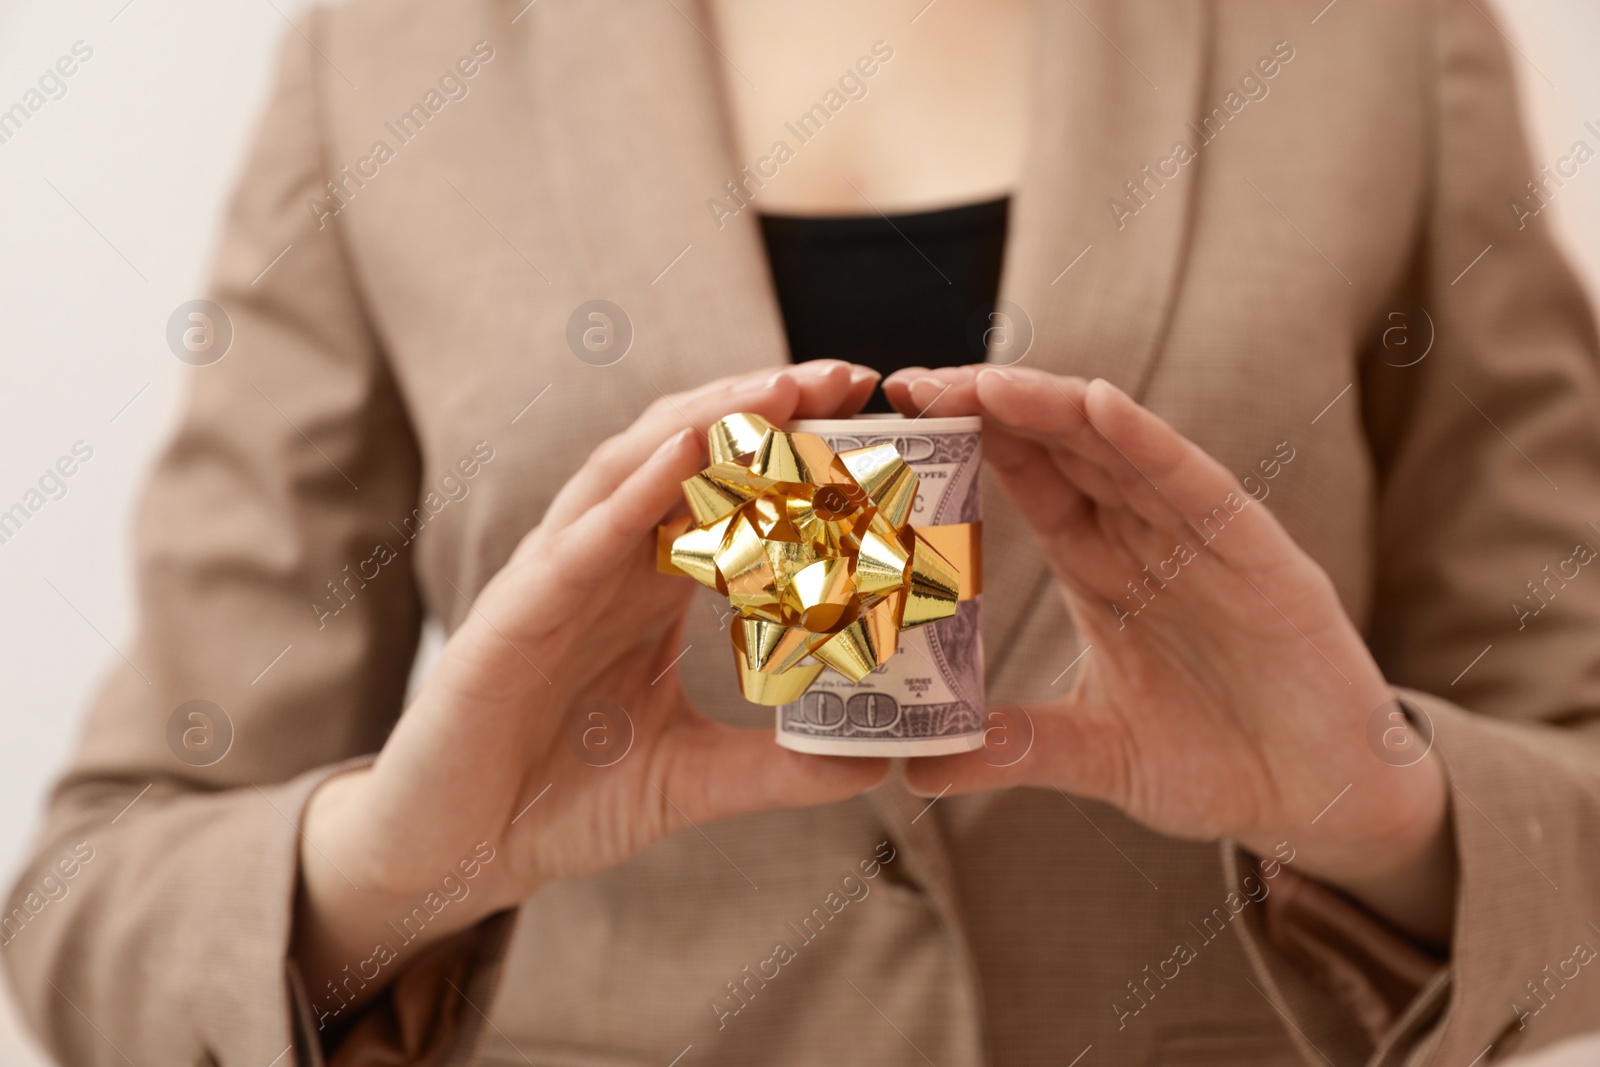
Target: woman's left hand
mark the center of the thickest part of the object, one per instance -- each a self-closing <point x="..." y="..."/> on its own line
<point x="1223" y="690"/>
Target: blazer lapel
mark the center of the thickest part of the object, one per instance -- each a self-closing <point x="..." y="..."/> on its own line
<point x="635" y="140"/>
<point x="1116" y="86"/>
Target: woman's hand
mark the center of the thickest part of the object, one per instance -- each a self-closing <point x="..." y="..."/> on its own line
<point x="487" y="751"/>
<point x="1224" y="691"/>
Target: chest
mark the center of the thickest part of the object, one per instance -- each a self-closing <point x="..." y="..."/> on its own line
<point x="876" y="107"/>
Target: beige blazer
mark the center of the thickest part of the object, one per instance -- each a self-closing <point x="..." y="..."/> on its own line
<point x="407" y="246"/>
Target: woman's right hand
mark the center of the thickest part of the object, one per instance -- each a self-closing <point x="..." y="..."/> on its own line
<point x="578" y="613"/>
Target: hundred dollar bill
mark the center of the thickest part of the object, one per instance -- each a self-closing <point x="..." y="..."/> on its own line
<point x="928" y="699"/>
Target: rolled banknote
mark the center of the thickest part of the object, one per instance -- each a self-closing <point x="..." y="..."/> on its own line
<point x="927" y="700"/>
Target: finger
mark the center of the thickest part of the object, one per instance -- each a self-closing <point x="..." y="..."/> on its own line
<point x="812" y="390"/>
<point x="1054" y="411"/>
<point x="1048" y="502"/>
<point x="897" y="387"/>
<point x="1064" y="518"/>
<point x="1139" y="520"/>
<point x="1185" y="481"/>
<point x="945" y="375"/>
<point x="619" y="527"/>
<point x="863" y="380"/>
<point x="968" y="772"/>
<point x="711" y="771"/>
<point x="614" y="529"/>
<point x="1072" y="749"/>
<point x="1090" y="478"/>
<point x="617" y="456"/>
<point x="1047" y="408"/>
<point x="1037" y="433"/>
<point x="824" y="387"/>
<point x="946" y="395"/>
<point x="942" y="393"/>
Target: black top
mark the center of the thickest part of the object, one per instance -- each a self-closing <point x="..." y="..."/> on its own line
<point x="889" y="292"/>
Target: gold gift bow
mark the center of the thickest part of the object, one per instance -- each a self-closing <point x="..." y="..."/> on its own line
<point x="815" y="552"/>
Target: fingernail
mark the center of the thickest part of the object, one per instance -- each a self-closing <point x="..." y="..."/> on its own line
<point x="816" y="368"/>
<point x="996" y="372"/>
<point x="757" y="385"/>
<point x="860" y="374"/>
<point x="676" y="440"/>
<point x="931" y="387"/>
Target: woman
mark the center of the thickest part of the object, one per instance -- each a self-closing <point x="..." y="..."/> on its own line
<point x="1301" y="786"/>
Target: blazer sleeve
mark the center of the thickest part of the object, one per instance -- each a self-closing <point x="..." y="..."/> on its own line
<point x="264" y="590"/>
<point x="1487" y="611"/>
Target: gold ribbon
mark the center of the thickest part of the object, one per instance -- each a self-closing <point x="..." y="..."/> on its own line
<point x="815" y="552"/>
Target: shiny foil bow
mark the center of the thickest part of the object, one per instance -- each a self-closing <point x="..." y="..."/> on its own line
<point x="815" y="553"/>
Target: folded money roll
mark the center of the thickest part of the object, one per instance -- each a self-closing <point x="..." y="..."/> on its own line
<point x="811" y="538"/>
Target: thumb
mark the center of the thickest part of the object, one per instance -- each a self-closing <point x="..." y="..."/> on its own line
<point x="712" y="771"/>
<point x="1063" y="743"/>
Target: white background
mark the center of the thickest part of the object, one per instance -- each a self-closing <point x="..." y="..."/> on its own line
<point x="143" y="149"/>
